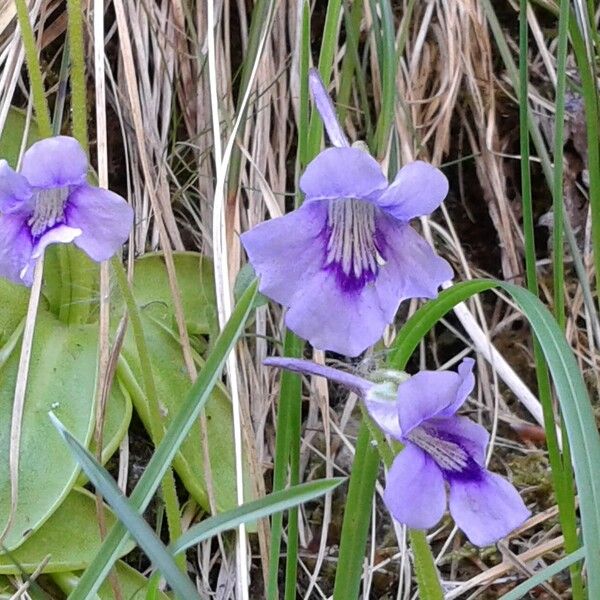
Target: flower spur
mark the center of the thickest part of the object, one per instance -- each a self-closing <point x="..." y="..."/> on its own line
<point x="49" y="201"/>
<point x="441" y="450"/>
<point x="344" y="260"/>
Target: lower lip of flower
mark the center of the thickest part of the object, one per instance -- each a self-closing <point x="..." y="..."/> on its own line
<point x="352" y="247"/>
<point x="49" y="209"/>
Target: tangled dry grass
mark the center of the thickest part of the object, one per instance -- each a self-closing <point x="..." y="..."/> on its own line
<point x="457" y="107"/>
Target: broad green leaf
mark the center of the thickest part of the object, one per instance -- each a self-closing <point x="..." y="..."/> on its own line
<point x="70" y="536"/>
<point x="245" y="278"/>
<point x="252" y="511"/>
<point x="174" y="436"/>
<point x="196" y="285"/>
<point x="173" y="385"/>
<point x="12" y="135"/>
<point x="116" y="423"/>
<point x="139" y="529"/>
<point x="13" y="308"/>
<point x="6" y="589"/>
<point x="153" y="296"/>
<point x="132" y="583"/>
<point x="62" y="377"/>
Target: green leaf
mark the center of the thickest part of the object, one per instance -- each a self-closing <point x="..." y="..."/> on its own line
<point x="428" y="315"/>
<point x="62" y="376"/>
<point x="173" y="385"/>
<point x="12" y="135"/>
<point x="153" y="297"/>
<point x="136" y="525"/>
<point x="245" y="278"/>
<point x="133" y="584"/>
<point x="70" y="536"/>
<point x="578" y="419"/>
<point x="13" y="308"/>
<point x="166" y="451"/>
<point x="196" y="285"/>
<point x="357" y="517"/>
<point x="116" y="423"/>
<point x="252" y="511"/>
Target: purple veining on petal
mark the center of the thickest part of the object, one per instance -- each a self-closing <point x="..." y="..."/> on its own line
<point x="352" y="245"/>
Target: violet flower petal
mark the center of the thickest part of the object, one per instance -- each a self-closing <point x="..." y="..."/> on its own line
<point x="431" y="393"/>
<point x="326" y="110"/>
<point x="418" y="189"/>
<point x="15" y="191"/>
<point x="384" y="413"/>
<point x="465" y="372"/>
<point x="415" y="493"/>
<point x="412" y="269"/>
<point x="354" y="383"/>
<point x="332" y="319"/>
<point x="55" y="162"/>
<point x="287" y="251"/>
<point x="342" y="173"/>
<point x="15" y="246"/>
<point x="486" y="508"/>
<point x="104" y="218"/>
<point x="471" y="436"/>
<point x="297" y="278"/>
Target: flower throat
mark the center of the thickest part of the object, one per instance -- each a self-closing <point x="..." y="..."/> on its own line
<point x="352" y="245"/>
<point x="49" y="209"/>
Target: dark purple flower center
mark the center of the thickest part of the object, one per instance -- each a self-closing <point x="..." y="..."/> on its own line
<point x="352" y="249"/>
<point x="48" y="209"/>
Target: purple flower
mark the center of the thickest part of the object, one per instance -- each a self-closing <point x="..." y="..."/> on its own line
<point x="441" y="451"/>
<point x="50" y="202"/>
<point x="344" y="261"/>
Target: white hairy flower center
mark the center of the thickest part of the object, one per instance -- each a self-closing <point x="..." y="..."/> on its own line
<point x="352" y="239"/>
<point x="447" y="454"/>
<point x="49" y="209"/>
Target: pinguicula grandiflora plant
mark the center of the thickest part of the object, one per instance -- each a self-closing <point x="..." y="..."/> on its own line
<point x="349" y="245"/>
<point x="49" y="201"/>
<point x="441" y="450"/>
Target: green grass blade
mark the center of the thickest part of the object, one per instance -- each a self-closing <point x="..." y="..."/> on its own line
<point x="355" y="527"/>
<point x="578" y="419"/>
<point x="252" y="511"/>
<point x="75" y="14"/>
<point x="426" y="572"/>
<point x="428" y="315"/>
<point x="136" y="525"/>
<point x="521" y="590"/>
<point x="34" y="70"/>
<point x="290" y="416"/>
<point x="389" y="67"/>
<point x="174" y="436"/>
<point x="562" y="474"/>
<point x="557" y="187"/>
